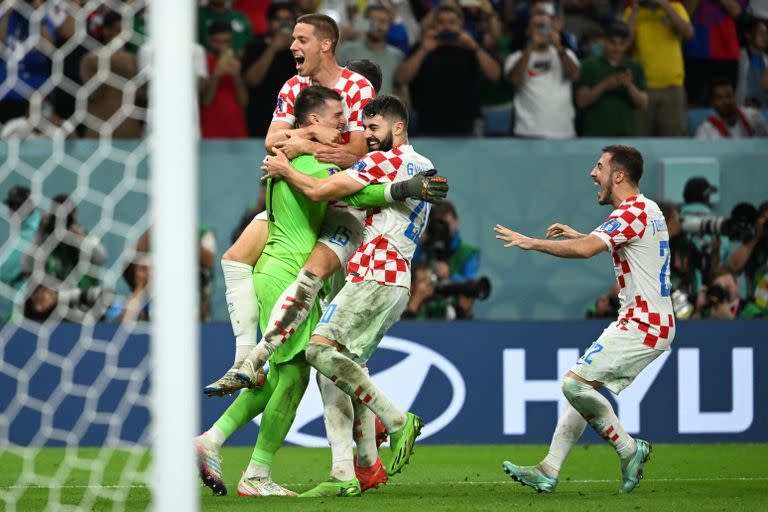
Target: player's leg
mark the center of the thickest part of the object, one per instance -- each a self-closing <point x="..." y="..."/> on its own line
<point x="275" y="423"/>
<point x="613" y="361"/>
<point x="339" y="236"/>
<point x="249" y="404"/>
<point x="543" y="476"/>
<point x="356" y="322"/>
<point x="338" y="415"/>
<point x="237" y="264"/>
<point x="369" y="470"/>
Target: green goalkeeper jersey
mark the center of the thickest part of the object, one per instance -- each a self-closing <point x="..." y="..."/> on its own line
<point x="295" y="220"/>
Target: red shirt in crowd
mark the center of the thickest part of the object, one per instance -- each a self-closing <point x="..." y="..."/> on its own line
<point x="223" y="118"/>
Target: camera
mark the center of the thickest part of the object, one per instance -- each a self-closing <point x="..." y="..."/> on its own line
<point x="437" y="245"/>
<point x="479" y="288"/>
<point x="740" y="226"/>
<point x="715" y="295"/>
<point x="447" y="36"/>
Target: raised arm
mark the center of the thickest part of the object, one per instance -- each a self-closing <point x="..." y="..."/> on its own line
<point x="580" y="247"/>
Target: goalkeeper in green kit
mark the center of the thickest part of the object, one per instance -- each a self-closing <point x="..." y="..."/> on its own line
<point x="294" y="223"/>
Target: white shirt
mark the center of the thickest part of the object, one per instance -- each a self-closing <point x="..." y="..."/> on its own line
<point x="391" y="233"/>
<point x="707" y="130"/>
<point x="543" y="100"/>
<point x="637" y="237"/>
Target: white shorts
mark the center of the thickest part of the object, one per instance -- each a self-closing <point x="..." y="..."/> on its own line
<point x="616" y="358"/>
<point x="342" y="231"/>
<point x="360" y="315"/>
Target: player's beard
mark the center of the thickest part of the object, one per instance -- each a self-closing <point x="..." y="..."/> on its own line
<point x="384" y="144"/>
<point x="607" y="195"/>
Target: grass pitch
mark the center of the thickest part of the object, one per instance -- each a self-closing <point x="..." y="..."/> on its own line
<point x="440" y="478"/>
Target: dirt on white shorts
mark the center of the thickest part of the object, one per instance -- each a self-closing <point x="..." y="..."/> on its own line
<point x="360" y="315"/>
<point x="616" y="358"/>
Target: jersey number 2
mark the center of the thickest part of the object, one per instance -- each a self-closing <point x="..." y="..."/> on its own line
<point x="664" y="253"/>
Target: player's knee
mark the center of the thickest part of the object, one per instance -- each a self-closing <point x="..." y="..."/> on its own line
<point x="313" y="352"/>
<point x="573" y="388"/>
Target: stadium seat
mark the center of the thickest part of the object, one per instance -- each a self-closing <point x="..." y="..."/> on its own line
<point x="497" y="121"/>
<point x="696" y="116"/>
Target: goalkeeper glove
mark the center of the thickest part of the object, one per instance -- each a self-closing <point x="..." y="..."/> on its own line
<point x="424" y="185"/>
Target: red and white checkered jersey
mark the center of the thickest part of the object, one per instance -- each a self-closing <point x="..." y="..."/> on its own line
<point x="636" y="234"/>
<point x="356" y="91"/>
<point x="391" y="233"/>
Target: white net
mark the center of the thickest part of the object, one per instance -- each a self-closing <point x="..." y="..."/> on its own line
<point x="74" y="363"/>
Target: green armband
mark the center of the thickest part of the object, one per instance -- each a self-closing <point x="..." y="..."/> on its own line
<point x="369" y="196"/>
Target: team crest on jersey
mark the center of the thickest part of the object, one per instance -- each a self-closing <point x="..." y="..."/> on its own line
<point x="280" y="104"/>
<point x="610" y="226"/>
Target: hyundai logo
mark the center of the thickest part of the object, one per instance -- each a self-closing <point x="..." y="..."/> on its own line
<point x="401" y="382"/>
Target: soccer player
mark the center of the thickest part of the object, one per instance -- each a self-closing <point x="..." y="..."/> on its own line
<point x="636" y="235"/>
<point x="294" y="224"/>
<point x="315" y="39"/>
<point x="377" y="287"/>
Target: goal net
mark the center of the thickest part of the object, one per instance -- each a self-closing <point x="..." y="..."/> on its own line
<point x="98" y="312"/>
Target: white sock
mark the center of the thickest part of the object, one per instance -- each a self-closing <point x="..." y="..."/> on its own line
<point x="597" y="410"/>
<point x="338" y="413"/>
<point x="256" y="471"/>
<point x="243" y="306"/>
<point x="569" y="428"/>
<point x="215" y="436"/>
<point x="365" y="434"/>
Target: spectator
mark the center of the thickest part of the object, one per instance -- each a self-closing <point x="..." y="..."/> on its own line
<point x="49" y="298"/>
<point x="607" y="305"/>
<point x="729" y="120"/>
<point x="720" y="300"/>
<point x="24" y="62"/>
<point x="221" y="115"/>
<point x="752" y="89"/>
<point x="218" y="11"/>
<point x="658" y="28"/>
<point x="373" y="46"/>
<point x="62" y="250"/>
<point x="714" y="49"/>
<point x="257" y="13"/>
<point x="26" y="221"/>
<point x="107" y="101"/>
<point x="306" y="7"/>
<point x="343" y="12"/>
<point x="751" y="258"/>
<point x="267" y="64"/>
<point x="582" y="16"/>
<point x="135" y="306"/>
<point x="447" y="258"/>
<point x="446" y="66"/>
<point x="611" y="89"/>
<point x="543" y="74"/>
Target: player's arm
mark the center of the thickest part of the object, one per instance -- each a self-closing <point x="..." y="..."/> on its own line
<point x="280" y="132"/>
<point x="316" y="189"/>
<point x="581" y="247"/>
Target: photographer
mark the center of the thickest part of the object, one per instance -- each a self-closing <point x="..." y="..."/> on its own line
<point x="687" y="263"/>
<point x="720" y="300"/>
<point x="751" y="257"/>
<point x="445" y="272"/>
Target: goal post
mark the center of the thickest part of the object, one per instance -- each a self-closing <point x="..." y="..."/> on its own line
<point x="173" y="199"/>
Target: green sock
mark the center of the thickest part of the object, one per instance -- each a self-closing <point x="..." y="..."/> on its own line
<point x="249" y="404"/>
<point x="281" y="409"/>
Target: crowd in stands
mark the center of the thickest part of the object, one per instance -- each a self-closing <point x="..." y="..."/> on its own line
<point x="528" y="68"/>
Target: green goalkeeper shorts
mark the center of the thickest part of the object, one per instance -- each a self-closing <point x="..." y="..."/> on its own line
<point x="268" y="290"/>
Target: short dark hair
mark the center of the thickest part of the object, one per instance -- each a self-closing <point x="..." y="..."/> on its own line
<point x="718" y="81"/>
<point x="17" y="196"/>
<point x="312" y="99"/>
<point x="111" y="18"/>
<point x="275" y="8"/>
<point x="219" y="27"/>
<point x="626" y="158"/>
<point x="389" y="107"/>
<point x="369" y="70"/>
<point x="449" y="9"/>
<point x="325" y="27"/>
<point x="440" y="209"/>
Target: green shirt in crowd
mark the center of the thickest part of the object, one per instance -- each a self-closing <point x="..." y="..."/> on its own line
<point x="613" y="114"/>
<point x="242" y="33"/>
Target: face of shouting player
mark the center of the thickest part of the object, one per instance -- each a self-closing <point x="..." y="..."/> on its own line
<point x="307" y="49"/>
<point x="604" y="178"/>
<point x="378" y="133"/>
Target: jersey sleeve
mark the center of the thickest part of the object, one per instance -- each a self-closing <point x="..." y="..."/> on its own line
<point x="286" y="99"/>
<point x="356" y="104"/>
<point x="623" y="226"/>
<point x="373" y="168"/>
<point x="368" y="197"/>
